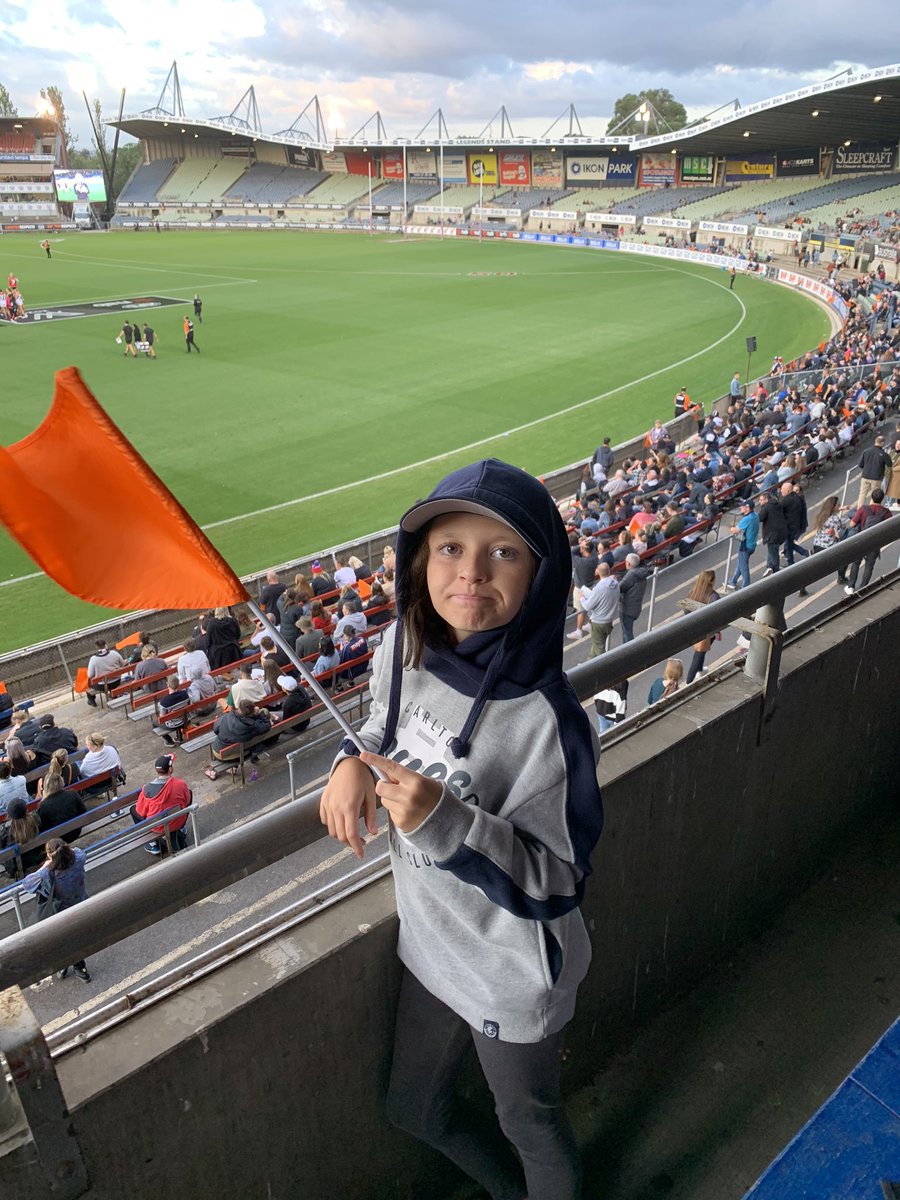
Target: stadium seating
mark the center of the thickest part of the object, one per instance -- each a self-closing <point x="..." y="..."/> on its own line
<point x="231" y="218"/>
<point x="200" y="180"/>
<point x="392" y="194"/>
<point x="144" y="184"/>
<point x="875" y="204"/>
<point x="596" y="199"/>
<point x="837" y="192"/>
<point x="657" y="201"/>
<point x="526" y="199"/>
<point x="464" y="195"/>
<point x="266" y="183"/>
<point x="16" y="143"/>
<point x="746" y="197"/>
<point x="339" y="189"/>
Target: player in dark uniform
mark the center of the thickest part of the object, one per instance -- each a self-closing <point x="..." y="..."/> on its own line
<point x="189" y="335"/>
<point x="198" y="307"/>
<point x="127" y="336"/>
<point x="150" y="339"/>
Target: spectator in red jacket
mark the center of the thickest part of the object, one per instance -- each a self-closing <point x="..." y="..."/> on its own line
<point x="162" y="794"/>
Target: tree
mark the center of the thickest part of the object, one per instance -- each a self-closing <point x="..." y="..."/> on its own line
<point x="7" y="108"/>
<point x="127" y="158"/>
<point x="53" y="97"/>
<point x="665" y="113"/>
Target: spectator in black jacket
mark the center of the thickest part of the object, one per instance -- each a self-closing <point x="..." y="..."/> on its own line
<point x="6" y="709"/>
<point x="24" y="727"/>
<point x="295" y="702"/>
<point x="865" y="516"/>
<point x="52" y="737"/>
<point x="773" y="528"/>
<point x="631" y="595"/>
<point x="793" y="505"/>
<point x="268" y="597"/>
<point x="874" y="464"/>
<point x="241" y="726"/>
<point x="59" y="805"/>
<point x="322" y="583"/>
<point x="223" y="639"/>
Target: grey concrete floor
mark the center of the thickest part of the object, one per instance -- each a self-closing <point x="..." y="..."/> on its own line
<point x="707" y="1095"/>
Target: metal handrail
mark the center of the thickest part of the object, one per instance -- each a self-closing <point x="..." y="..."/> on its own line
<point x="136" y="903"/>
<point x="660" y="643"/>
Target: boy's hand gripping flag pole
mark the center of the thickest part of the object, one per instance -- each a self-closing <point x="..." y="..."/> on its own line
<point x="117" y="538"/>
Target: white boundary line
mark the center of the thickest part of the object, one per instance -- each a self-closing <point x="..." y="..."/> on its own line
<point x="562" y="412"/>
<point x="676" y="268"/>
<point x="344" y="487"/>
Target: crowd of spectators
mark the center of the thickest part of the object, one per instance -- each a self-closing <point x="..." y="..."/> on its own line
<point x="752" y="452"/>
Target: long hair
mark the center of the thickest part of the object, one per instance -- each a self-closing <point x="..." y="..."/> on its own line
<point x="58" y="760"/>
<point x="703" y="587"/>
<point x="23" y="829"/>
<point x="421" y="623"/>
<point x="52" y="783"/>
<point x="271" y="671"/>
<point x="60" y="854"/>
<point x="19" y="762"/>
<point x="829" y="507"/>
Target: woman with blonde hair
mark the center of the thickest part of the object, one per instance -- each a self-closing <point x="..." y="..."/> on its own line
<point x="223" y="639"/>
<point x="99" y="759"/>
<point x="669" y="683"/>
<point x="58" y="806"/>
<point x="20" y="827"/>
<point x="59" y="767"/>
<point x="704" y="593"/>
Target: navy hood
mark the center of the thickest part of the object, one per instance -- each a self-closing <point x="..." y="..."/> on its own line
<point x="525" y="654"/>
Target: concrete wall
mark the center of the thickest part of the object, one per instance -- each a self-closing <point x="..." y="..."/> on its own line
<point x="266" y="1080"/>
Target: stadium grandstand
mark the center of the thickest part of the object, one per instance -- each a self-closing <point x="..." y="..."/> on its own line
<point x="31" y="150"/>
<point x="765" y="165"/>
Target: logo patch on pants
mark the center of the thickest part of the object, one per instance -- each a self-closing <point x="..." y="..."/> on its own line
<point x="490" y="1029"/>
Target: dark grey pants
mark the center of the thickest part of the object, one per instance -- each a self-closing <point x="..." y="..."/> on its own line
<point x="430" y="1044"/>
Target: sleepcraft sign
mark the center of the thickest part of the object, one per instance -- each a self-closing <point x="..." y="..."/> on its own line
<point x="102" y="308"/>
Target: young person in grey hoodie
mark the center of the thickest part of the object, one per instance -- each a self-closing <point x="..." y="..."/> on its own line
<point x="486" y="764"/>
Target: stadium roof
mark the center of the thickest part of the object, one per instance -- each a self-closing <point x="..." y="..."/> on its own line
<point x="863" y="107"/>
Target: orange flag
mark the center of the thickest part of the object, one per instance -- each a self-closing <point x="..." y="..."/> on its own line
<point x="78" y="497"/>
<point x="132" y="640"/>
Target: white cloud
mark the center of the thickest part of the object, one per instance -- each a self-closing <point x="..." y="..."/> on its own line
<point x="542" y="71"/>
<point x="409" y="57"/>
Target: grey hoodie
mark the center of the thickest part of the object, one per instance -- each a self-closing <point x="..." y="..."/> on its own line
<point x="489" y="885"/>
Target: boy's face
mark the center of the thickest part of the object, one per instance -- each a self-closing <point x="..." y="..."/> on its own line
<point x="479" y="571"/>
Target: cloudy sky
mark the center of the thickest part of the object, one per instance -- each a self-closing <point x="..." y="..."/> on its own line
<point x="407" y="57"/>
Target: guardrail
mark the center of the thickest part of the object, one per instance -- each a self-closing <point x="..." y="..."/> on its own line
<point x="136" y="903"/>
<point x="14" y="894"/>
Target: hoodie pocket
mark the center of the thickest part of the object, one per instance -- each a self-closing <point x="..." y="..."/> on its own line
<point x="552" y="956"/>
